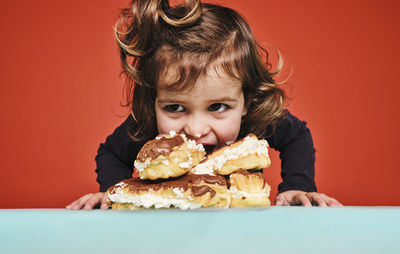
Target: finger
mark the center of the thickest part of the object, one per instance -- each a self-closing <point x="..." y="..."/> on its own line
<point x="323" y="200"/>
<point x="70" y="205"/>
<point x="333" y="202"/>
<point x="302" y="199"/>
<point x="278" y="202"/>
<point x="318" y="198"/>
<point x="80" y="202"/>
<point x="93" y="201"/>
<point x="320" y="201"/>
<point x="104" y="203"/>
<point x="281" y="200"/>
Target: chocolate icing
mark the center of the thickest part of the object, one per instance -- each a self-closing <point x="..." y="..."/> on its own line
<point x="136" y="184"/>
<point x="184" y="182"/>
<point x="201" y="190"/>
<point x="210" y="179"/>
<point x="161" y="146"/>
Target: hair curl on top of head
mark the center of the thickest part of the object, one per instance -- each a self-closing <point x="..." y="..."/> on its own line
<point x="190" y="39"/>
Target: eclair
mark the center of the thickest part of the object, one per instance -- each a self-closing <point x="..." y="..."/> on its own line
<point x="248" y="189"/>
<point x="168" y="155"/>
<point x="247" y="153"/>
<point x="185" y="192"/>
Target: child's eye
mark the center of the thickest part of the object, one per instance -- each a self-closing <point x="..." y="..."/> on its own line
<point x="218" y="107"/>
<point x="174" y="108"/>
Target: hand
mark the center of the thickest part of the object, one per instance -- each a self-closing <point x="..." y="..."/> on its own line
<point x="89" y="201"/>
<point x="296" y="197"/>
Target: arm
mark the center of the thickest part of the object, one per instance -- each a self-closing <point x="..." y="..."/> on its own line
<point x="116" y="155"/>
<point x="293" y="140"/>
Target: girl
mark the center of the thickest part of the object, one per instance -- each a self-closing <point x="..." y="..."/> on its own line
<point x="197" y="69"/>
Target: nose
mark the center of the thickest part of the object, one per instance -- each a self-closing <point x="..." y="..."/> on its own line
<point x="196" y="127"/>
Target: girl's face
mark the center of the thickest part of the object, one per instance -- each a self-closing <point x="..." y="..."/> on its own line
<point x="210" y="113"/>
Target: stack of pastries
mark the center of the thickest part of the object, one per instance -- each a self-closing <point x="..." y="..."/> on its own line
<point x="175" y="172"/>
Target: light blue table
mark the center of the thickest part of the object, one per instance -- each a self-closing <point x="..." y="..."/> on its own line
<point x="249" y="231"/>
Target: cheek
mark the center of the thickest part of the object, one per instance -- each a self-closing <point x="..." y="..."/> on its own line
<point x="228" y="131"/>
<point x="166" y="124"/>
<point x="162" y="123"/>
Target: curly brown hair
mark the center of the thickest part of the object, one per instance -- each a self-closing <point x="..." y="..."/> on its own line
<point x="188" y="39"/>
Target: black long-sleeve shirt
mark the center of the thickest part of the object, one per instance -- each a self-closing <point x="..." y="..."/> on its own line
<point x="291" y="138"/>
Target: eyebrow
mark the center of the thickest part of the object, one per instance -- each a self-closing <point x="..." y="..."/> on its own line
<point x="213" y="100"/>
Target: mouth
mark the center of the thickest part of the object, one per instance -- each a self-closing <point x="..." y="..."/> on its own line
<point x="209" y="148"/>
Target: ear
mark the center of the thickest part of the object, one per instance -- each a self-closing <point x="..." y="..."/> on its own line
<point x="244" y="111"/>
<point x="247" y="102"/>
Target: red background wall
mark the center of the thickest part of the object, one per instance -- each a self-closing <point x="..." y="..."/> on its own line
<point x="60" y="93"/>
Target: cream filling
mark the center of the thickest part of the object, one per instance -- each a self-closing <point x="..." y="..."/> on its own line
<point x="239" y="194"/>
<point x="149" y="199"/>
<point x="178" y="192"/>
<point x="186" y="164"/>
<point x="203" y="168"/>
<point x="248" y="146"/>
<point x="140" y="166"/>
<point x="191" y="144"/>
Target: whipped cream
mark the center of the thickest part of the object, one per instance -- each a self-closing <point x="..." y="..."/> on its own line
<point x="239" y="194"/>
<point x="148" y="200"/>
<point x="140" y="166"/>
<point x="186" y="164"/>
<point x="191" y="144"/>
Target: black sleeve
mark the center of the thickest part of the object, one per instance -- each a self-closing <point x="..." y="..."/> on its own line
<point x="293" y="140"/>
<point x="115" y="157"/>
